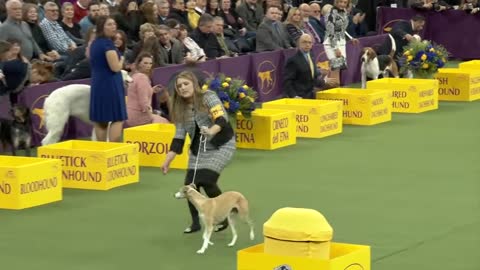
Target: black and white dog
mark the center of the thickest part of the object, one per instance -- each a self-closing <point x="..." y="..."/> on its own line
<point x="17" y="132"/>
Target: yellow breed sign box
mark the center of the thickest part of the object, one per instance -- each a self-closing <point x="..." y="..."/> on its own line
<point x="94" y="165"/>
<point x="409" y="95"/>
<point x="342" y="257"/>
<point x="267" y="129"/>
<point x="473" y="64"/>
<point x="315" y="118"/>
<point x="361" y="106"/>
<point x="153" y="143"/>
<point x="27" y="182"/>
<point x="458" y="84"/>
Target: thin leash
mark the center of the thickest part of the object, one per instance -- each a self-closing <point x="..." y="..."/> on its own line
<point x="203" y="140"/>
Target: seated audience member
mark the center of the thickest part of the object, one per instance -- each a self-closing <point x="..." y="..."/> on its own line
<point x="192" y="15"/>
<point x="305" y="12"/>
<point x="356" y="26"/>
<point x="54" y="34"/>
<point x="228" y="45"/>
<point x="120" y="41"/>
<point x="294" y="24"/>
<point x="72" y="29"/>
<point x="177" y="12"/>
<point x="163" y="9"/>
<point x="317" y="19"/>
<point x="129" y="19"/>
<point x="271" y="34"/>
<point x="470" y="6"/>
<point x="149" y="11"/>
<point x="80" y="10"/>
<point x="89" y="20"/>
<point x="171" y="52"/>
<point x="77" y="65"/>
<point x="30" y="16"/>
<point x="300" y="75"/>
<point x="429" y="5"/>
<point x="206" y="39"/>
<point x="140" y="91"/>
<point x="252" y="13"/>
<point x="191" y="48"/>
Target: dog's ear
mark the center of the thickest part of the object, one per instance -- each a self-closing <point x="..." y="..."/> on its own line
<point x="371" y="54"/>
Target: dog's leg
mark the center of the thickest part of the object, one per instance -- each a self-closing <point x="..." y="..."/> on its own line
<point x="234" y="232"/>
<point x="206" y="238"/>
<point x="364" y="76"/>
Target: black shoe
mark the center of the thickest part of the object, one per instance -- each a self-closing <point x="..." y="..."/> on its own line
<point x="221" y="226"/>
<point x="192" y="229"/>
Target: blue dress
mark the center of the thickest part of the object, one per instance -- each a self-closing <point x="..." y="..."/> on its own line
<point x="107" y="98"/>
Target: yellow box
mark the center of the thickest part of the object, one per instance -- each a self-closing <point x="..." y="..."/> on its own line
<point x="28" y="181"/>
<point x="409" y="95"/>
<point x="473" y="64"/>
<point x="94" y="165"/>
<point x="153" y="142"/>
<point x="315" y="118"/>
<point x="458" y="84"/>
<point x="266" y="129"/>
<point x="361" y="106"/>
<point x="342" y="257"/>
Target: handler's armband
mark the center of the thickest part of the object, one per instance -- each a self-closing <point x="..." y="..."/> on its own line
<point x="177" y="146"/>
<point x="217" y="112"/>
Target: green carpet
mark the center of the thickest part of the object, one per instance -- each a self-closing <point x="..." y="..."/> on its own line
<point x="408" y="188"/>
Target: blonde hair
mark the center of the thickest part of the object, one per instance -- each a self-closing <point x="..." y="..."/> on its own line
<point x="291" y="12"/>
<point x="179" y="105"/>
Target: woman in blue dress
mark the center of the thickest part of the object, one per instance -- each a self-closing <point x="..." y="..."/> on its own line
<point x="107" y="98"/>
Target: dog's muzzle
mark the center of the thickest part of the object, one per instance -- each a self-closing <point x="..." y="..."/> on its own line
<point x="178" y="195"/>
<point x="362" y="59"/>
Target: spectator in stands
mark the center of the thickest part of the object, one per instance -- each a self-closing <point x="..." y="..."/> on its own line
<point x="235" y="28"/>
<point x="227" y="44"/>
<point x="470" y="6"/>
<point x="150" y="12"/>
<point x="177" y="12"/>
<point x="192" y="15"/>
<point x="14" y="27"/>
<point x="294" y="24"/>
<point x="271" y="34"/>
<point x="305" y="12"/>
<point x="129" y="19"/>
<point x="30" y="16"/>
<point x="429" y="5"/>
<point x="336" y="37"/>
<point x="201" y="7"/>
<point x="120" y="41"/>
<point x="174" y="27"/>
<point x="72" y="29"/>
<point x="171" y="52"/>
<point x="252" y="14"/>
<point x="356" y="26"/>
<point x="192" y="50"/>
<point x="300" y="75"/>
<point x="317" y="20"/>
<point x="89" y="20"/>
<point x="212" y="7"/>
<point x="104" y="9"/>
<point x="147" y="32"/>
<point x="80" y="10"/>
<point x="140" y="91"/>
<point x="54" y="34"/>
<point x="163" y="9"/>
<point x="206" y="39"/>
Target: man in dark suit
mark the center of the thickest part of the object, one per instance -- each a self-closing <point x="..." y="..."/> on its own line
<point x="300" y="76"/>
<point x="403" y="32"/>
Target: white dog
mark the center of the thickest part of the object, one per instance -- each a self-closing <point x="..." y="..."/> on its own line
<point x="374" y="65"/>
<point x="70" y="100"/>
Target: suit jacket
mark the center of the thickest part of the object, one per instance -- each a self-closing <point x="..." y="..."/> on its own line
<point x="268" y="39"/>
<point x="318" y="26"/>
<point x="297" y="77"/>
<point x="208" y="42"/>
<point x="399" y="30"/>
<point x="252" y="18"/>
<point x="177" y="54"/>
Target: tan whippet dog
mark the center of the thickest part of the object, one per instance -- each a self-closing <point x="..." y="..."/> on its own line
<point x="214" y="210"/>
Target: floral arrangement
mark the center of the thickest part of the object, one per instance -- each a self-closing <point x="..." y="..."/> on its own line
<point x="234" y="93"/>
<point x="423" y="58"/>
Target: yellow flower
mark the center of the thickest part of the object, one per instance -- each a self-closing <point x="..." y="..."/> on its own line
<point x="425" y="66"/>
<point x="251" y="99"/>
<point x="406" y="53"/>
<point x="409" y="58"/>
<point x="432" y="50"/>
<point x="228" y="79"/>
<point x="241" y="95"/>
<point x="424" y="57"/>
<point x="205" y="87"/>
<point x="245" y="86"/>
<point x="443" y="60"/>
<point x="226" y="105"/>
<point x="225" y="84"/>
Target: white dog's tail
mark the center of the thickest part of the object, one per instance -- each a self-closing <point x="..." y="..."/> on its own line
<point x="394" y="46"/>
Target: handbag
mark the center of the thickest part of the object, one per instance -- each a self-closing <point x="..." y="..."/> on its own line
<point x="338" y="63"/>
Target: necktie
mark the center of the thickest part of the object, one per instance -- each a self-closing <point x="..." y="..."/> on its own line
<point x="310" y="62"/>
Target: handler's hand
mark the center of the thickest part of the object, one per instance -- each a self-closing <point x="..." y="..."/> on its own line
<point x="166" y="164"/>
<point x="206" y="131"/>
